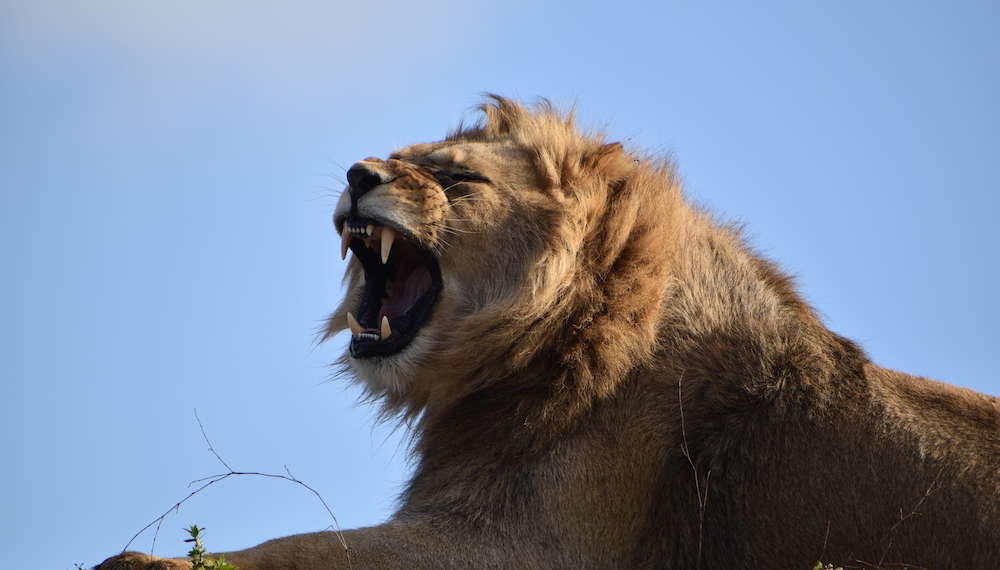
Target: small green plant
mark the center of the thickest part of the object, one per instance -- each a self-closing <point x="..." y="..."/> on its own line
<point x="197" y="553"/>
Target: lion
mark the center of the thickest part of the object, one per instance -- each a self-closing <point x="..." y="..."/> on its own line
<point x="597" y="374"/>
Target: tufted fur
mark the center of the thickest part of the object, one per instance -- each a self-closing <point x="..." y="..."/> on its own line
<point x="613" y="380"/>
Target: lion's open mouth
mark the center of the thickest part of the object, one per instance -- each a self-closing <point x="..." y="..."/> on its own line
<point x="402" y="283"/>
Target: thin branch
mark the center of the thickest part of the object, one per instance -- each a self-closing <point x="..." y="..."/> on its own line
<point x="176" y="506"/>
<point x="702" y="497"/>
<point x="156" y="533"/>
<point x="207" y="441"/>
<point x="826" y="536"/>
<point x="213" y="479"/>
<point x="891" y="533"/>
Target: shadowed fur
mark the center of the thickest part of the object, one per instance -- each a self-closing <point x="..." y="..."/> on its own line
<point x="612" y="379"/>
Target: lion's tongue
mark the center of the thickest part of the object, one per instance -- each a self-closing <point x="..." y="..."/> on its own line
<point x="411" y="281"/>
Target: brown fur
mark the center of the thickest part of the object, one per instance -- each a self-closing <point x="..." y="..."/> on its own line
<point x="613" y="380"/>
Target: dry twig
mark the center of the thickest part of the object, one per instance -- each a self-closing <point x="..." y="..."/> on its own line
<point x="891" y="533"/>
<point x="213" y="479"/>
<point x="702" y="496"/>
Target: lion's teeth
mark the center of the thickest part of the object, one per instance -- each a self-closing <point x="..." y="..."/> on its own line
<point x="354" y="325"/>
<point x="386" y="331"/>
<point x="388" y="235"/>
<point x="370" y="229"/>
<point x="345" y="241"/>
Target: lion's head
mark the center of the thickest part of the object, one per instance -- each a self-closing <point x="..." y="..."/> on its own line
<point x="518" y="250"/>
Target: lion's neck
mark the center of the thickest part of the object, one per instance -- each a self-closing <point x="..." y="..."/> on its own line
<point x="732" y="314"/>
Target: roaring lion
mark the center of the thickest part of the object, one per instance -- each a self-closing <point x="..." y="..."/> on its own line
<point x="598" y="375"/>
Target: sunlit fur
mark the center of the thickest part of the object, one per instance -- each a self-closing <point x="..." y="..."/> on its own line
<point x="612" y="379"/>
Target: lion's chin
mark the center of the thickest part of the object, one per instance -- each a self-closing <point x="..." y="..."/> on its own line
<point x="390" y="376"/>
<point x="401" y="286"/>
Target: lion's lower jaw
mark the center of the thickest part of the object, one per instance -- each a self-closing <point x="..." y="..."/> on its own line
<point x="391" y="376"/>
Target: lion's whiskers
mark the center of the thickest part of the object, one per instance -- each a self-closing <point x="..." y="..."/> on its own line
<point x="471" y="197"/>
<point x="454" y="230"/>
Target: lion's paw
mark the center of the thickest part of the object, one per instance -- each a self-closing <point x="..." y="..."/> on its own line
<point x="139" y="561"/>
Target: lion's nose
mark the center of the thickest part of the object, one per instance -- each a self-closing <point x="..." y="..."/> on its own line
<point x="362" y="177"/>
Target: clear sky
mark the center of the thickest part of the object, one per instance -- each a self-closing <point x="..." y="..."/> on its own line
<point x="168" y="171"/>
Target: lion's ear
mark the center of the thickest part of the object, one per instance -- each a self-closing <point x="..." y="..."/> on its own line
<point x="612" y="147"/>
<point x="608" y="159"/>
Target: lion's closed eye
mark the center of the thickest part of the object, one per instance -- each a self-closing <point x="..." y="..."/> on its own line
<point x="451" y="178"/>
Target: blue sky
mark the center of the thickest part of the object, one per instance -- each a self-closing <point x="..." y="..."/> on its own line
<point x="168" y="171"/>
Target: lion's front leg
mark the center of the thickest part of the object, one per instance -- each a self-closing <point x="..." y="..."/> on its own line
<point x="139" y="561"/>
<point x="304" y="551"/>
<point x="394" y="545"/>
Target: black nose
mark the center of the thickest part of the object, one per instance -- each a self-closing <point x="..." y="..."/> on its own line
<point x="361" y="179"/>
